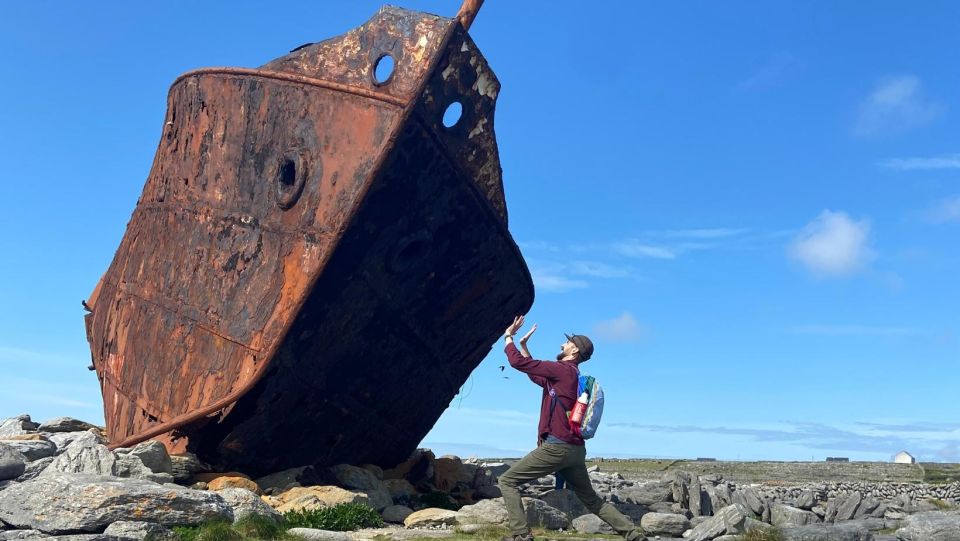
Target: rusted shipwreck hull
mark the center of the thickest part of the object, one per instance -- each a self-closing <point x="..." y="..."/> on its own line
<point x="316" y="263"/>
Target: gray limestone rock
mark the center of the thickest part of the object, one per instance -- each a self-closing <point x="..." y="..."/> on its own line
<point x="395" y="514"/>
<point x="786" y="516"/>
<point x="313" y="534"/>
<point x="729" y="520"/>
<point x="539" y="513"/>
<point x="679" y="482"/>
<point x="867" y="507"/>
<point x="34" y="468"/>
<point x="664" y="523"/>
<point x="152" y="454"/>
<point x="848" y="509"/>
<point x="828" y="532"/>
<point x="280" y="480"/>
<point x="128" y="530"/>
<point x="63" y="439"/>
<point x="33" y="449"/>
<point x="806" y="500"/>
<point x="646" y="493"/>
<point x="751" y="499"/>
<point x="566" y="501"/>
<point x="931" y="526"/>
<point x="12" y="462"/>
<point x="65" y="424"/>
<point x="87" y="454"/>
<point x="70" y="503"/>
<point x="16" y="426"/>
<point x="14" y="535"/>
<point x="246" y="503"/>
<point x="185" y="465"/>
<point x="591" y="524"/>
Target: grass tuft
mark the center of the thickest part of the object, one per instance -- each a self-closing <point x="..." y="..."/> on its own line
<point x="344" y="517"/>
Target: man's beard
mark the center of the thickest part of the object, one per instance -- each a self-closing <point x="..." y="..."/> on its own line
<point x="560" y="356"/>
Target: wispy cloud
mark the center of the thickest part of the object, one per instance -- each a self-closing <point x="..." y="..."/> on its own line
<point x="546" y="280"/>
<point x="562" y="276"/>
<point x="767" y="74"/>
<point x="896" y="105"/>
<point x="948" y="161"/>
<point x="637" y="248"/>
<point x="857" y="330"/>
<point x="945" y="211"/>
<point x="833" y="245"/>
<point x="623" y="328"/>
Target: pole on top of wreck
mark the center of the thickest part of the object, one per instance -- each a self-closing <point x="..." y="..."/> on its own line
<point x="468" y="12"/>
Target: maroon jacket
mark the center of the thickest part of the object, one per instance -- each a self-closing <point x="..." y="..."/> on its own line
<point x="564" y="379"/>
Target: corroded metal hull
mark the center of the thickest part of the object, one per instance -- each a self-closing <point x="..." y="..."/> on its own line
<point x="316" y="263"/>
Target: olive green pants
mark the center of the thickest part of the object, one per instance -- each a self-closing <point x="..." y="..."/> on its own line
<point x="568" y="460"/>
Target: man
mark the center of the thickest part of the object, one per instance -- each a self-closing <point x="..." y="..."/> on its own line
<point x="559" y="449"/>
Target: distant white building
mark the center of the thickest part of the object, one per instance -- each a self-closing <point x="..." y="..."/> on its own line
<point x="904" y="457"/>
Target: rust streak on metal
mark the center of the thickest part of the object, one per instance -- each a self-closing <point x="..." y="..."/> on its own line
<point x="294" y="78"/>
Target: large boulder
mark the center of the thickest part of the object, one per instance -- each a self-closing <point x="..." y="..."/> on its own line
<point x="69" y="503"/>
<point x="396" y="514"/>
<point x="567" y="501"/>
<point x="362" y="479"/>
<point x="806" y="500"/>
<point x="828" y="532"/>
<point x="848" y="508"/>
<point x="34" y="468"/>
<point x="785" y="516"/>
<point x="32" y="449"/>
<point x="591" y="524"/>
<point x="646" y="493"/>
<point x="12" y="462"/>
<point x="430" y="517"/>
<point x="732" y="519"/>
<point x="399" y="488"/>
<point x="87" y="454"/>
<point x="229" y="481"/>
<point x="751" y="499"/>
<point x="679" y="485"/>
<point x="65" y="424"/>
<point x="15" y="426"/>
<point x="126" y="530"/>
<point x="417" y="468"/>
<point x="281" y="480"/>
<point x="152" y="454"/>
<point x="449" y="470"/>
<point x="539" y="513"/>
<point x="931" y="526"/>
<point x="184" y="466"/>
<point x="247" y="503"/>
<point x="664" y="523"/>
<point x="300" y="498"/>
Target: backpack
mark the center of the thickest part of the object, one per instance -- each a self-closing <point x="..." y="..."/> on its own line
<point x="591" y="418"/>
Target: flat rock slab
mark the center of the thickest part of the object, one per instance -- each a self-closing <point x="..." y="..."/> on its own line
<point x="828" y="532"/>
<point x="313" y="534"/>
<point x="73" y="503"/>
<point x="931" y="526"/>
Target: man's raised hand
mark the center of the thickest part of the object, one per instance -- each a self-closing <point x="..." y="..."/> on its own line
<point x="515" y="326"/>
<point x="523" y="341"/>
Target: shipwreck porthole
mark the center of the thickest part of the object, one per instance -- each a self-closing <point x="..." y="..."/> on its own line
<point x="383" y="70"/>
<point x="410" y="251"/>
<point x="291" y="176"/>
<point x="452" y="114"/>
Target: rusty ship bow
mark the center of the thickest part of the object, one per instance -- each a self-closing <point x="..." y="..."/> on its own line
<point x="318" y="259"/>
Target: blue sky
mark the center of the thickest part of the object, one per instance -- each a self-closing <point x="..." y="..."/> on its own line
<point x="753" y="208"/>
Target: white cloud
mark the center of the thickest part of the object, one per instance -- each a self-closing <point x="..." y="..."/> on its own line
<point x="895" y="105"/>
<point x="949" y="161"/>
<point x="598" y="270"/>
<point x="634" y="248"/>
<point x="624" y="328"/>
<point x="833" y="245"/>
<point x="947" y="210"/>
<point x="548" y="281"/>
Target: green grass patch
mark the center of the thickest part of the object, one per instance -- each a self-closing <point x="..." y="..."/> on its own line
<point x="940" y="473"/>
<point x="941" y="505"/>
<point x="210" y="531"/>
<point x="344" y="517"/>
<point x="762" y="534"/>
<point x="259" y="527"/>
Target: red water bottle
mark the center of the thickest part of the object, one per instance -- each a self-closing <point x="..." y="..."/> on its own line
<point x="580" y="408"/>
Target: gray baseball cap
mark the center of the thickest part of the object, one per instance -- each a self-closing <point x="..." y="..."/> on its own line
<point x="584" y="344"/>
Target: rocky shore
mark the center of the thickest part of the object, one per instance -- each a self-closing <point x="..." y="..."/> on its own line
<point x="58" y="480"/>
